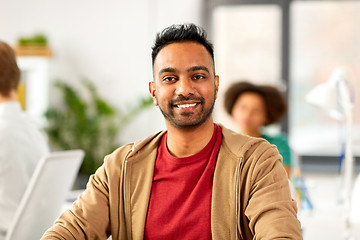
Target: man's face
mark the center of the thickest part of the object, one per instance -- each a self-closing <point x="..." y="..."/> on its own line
<point x="185" y="85"/>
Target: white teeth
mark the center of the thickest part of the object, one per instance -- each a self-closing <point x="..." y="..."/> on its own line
<point x="186" y="105"/>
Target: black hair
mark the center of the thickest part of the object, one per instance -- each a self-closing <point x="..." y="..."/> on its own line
<point x="181" y="33"/>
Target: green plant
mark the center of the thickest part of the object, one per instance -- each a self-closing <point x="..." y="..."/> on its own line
<point x="88" y="123"/>
<point x="38" y="39"/>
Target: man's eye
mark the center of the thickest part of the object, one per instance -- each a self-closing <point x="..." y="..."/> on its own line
<point x="169" y="79"/>
<point x="199" y="77"/>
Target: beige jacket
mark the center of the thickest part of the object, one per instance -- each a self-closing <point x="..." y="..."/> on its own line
<point x="250" y="200"/>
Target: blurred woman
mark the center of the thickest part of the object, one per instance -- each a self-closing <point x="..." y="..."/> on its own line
<point x="254" y="106"/>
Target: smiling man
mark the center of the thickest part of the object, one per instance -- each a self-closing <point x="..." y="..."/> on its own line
<point x="183" y="76"/>
<point x="196" y="180"/>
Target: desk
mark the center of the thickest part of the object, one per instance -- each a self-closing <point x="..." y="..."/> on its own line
<point x="327" y="219"/>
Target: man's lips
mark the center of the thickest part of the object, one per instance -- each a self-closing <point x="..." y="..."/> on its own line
<point x="185" y="105"/>
<point x="186" y="102"/>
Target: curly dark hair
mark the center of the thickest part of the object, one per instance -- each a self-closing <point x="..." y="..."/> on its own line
<point x="273" y="99"/>
<point x="181" y="33"/>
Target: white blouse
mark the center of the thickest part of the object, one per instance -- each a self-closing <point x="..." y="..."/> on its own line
<point x="22" y="145"/>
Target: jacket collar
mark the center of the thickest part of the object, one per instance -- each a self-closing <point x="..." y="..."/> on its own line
<point x="235" y="142"/>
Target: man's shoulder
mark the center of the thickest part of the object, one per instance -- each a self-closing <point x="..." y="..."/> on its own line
<point x="235" y="140"/>
<point x="9" y="132"/>
<point x="242" y="145"/>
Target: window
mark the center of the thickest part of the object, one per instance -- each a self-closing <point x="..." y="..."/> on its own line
<point x="247" y="43"/>
<point x="324" y="35"/>
<point x="297" y="43"/>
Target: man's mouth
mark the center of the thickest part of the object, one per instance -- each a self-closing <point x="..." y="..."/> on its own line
<point x="186" y="105"/>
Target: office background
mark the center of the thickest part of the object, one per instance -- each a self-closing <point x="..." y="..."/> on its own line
<point x="291" y="44"/>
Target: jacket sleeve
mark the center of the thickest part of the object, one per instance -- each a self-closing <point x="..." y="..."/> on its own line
<point x="270" y="210"/>
<point x="88" y="218"/>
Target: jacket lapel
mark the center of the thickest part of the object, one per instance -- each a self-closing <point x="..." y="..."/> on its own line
<point x="138" y="181"/>
<point x="223" y="207"/>
<point x="226" y="181"/>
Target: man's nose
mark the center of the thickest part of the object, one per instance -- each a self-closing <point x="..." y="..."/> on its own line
<point x="185" y="87"/>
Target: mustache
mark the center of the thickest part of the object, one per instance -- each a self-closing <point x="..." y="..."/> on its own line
<point x="182" y="98"/>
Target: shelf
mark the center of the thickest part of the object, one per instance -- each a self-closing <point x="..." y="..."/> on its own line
<point x="31" y="50"/>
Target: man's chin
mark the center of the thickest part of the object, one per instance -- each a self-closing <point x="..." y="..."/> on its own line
<point x="186" y="120"/>
<point x="185" y="126"/>
<point x="187" y="123"/>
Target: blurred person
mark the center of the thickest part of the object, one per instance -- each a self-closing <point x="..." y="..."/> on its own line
<point x="254" y="106"/>
<point x="197" y="179"/>
<point x="21" y="143"/>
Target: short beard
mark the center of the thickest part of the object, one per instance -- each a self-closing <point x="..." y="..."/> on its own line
<point x="178" y="124"/>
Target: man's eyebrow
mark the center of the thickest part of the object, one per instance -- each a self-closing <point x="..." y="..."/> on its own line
<point x="195" y="68"/>
<point x="169" y="69"/>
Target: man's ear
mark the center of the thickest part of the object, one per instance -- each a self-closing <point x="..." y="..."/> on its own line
<point x="216" y="85"/>
<point x="152" y="90"/>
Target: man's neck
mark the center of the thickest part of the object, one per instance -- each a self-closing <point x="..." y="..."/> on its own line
<point x="12" y="97"/>
<point x="185" y="142"/>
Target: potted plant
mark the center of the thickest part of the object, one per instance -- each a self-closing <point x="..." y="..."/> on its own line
<point x="90" y="124"/>
<point x="36" y="45"/>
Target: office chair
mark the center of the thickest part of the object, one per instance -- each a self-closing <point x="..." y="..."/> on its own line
<point x="41" y="203"/>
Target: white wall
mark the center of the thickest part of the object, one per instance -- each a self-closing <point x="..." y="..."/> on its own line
<point x="108" y="42"/>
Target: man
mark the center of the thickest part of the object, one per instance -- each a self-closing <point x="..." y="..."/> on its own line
<point x="194" y="181"/>
<point x="21" y="143"/>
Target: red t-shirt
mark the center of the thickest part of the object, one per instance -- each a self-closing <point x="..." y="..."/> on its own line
<point x="180" y="199"/>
